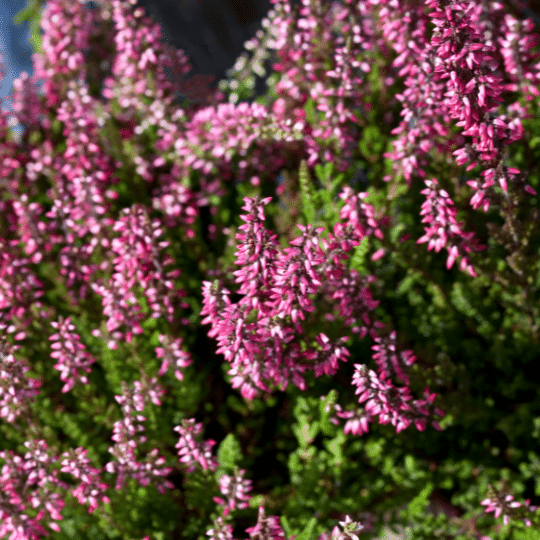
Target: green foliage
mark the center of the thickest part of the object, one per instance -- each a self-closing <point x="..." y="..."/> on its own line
<point x="358" y="259"/>
<point x="308" y="530"/>
<point x="318" y="206"/>
<point x="417" y="506"/>
<point x="229" y="452"/>
<point x="308" y="194"/>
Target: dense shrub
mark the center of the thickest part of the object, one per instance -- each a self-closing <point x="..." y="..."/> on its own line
<point x="307" y="316"/>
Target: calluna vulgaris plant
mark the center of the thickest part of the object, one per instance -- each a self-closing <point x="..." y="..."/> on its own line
<point x="189" y="351"/>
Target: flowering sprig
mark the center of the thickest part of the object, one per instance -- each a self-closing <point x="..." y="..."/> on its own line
<point x="83" y="180"/>
<point x="267" y="528"/>
<point x="138" y="262"/>
<point x="17" y="389"/>
<point x="90" y="490"/>
<point x="359" y="214"/>
<point x="172" y="356"/>
<point x="192" y="452"/>
<point x="390" y="362"/>
<point x="392" y="404"/>
<point x="516" y="43"/>
<point x="235" y="489"/>
<point x="501" y="503"/>
<point x="350" y="528"/>
<point x="256" y="253"/>
<point x="35" y="234"/>
<point x="443" y="230"/>
<point x="475" y="88"/>
<point x="125" y="464"/>
<point x="30" y="481"/>
<point x="330" y="73"/>
<point x="19" y="287"/>
<point x="72" y="360"/>
<point x="277" y="283"/>
<point x="220" y="530"/>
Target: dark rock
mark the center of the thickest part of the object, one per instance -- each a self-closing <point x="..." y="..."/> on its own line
<point x="212" y="33"/>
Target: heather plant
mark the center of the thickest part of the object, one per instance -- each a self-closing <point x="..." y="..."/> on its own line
<point x="306" y="315"/>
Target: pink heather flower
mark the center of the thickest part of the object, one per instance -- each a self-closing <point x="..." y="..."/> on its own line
<point x="501" y="503"/>
<point x="516" y="42"/>
<point x="193" y="452"/>
<point x="296" y="275"/>
<point x="90" y="490"/>
<point x="138" y="263"/>
<point x="324" y="358"/>
<point x="348" y="533"/>
<point x="392" y="404"/>
<point x="29" y="482"/>
<point x="67" y="30"/>
<point x="267" y="528"/>
<point x="389" y="364"/>
<point x="501" y="506"/>
<point x="248" y="128"/>
<point x="474" y="41"/>
<point x="34" y="233"/>
<point x="125" y="464"/>
<point x="357" y="421"/>
<point x="215" y="300"/>
<point x="72" y="359"/>
<point x="378" y="254"/>
<point x="138" y="50"/>
<point x="476" y="92"/>
<point x="256" y="253"/>
<point x="339" y="89"/>
<point x="235" y="489"/>
<point x="17" y="390"/>
<point x="443" y="229"/>
<point x="221" y="531"/>
<point x="242" y="136"/>
<point x="26" y="105"/>
<point x="172" y="355"/>
<point x="19" y="287"/>
<point x="82" y="184"/>
<point x="122" y="309"/>
<point x="359" y="214"/>
<point x="276" y="284"/>
<point x="423" y="117"/>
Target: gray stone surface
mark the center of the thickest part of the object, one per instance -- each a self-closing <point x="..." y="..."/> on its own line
<point x="212" y="33"/>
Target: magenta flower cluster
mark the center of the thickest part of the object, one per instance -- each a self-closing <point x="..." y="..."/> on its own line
<point x="125" y="464"/>
<point x="443" y="230"/>
<point x="70" y="354"/>
<point x="31" y="482"/>
<point x="505" y="505"/>
<point x="290" y="295"/>
<point x="193" y="452"/>
<point x="235" y="488"/>
<point x="17" y="389"/>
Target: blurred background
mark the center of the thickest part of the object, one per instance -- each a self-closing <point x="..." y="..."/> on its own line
<point x="14" y="48"/>
<point x="211" y="32"/>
